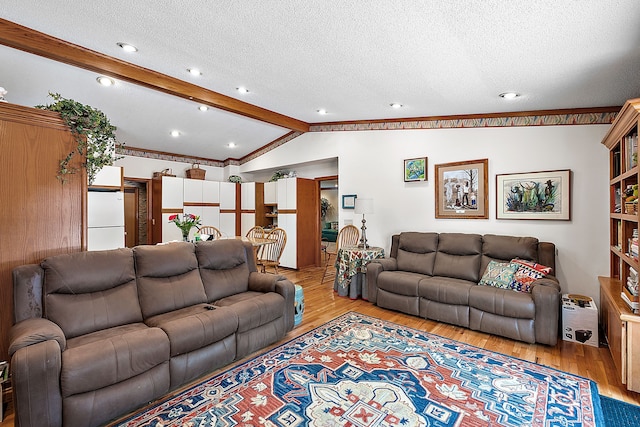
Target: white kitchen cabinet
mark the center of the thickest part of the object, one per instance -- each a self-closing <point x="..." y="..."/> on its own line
<point x="227" y="195"/>
<point x="287" y="193"/>
<point x="108" y="177"/>
<point x="247" y="221"/>
<point x="209" y="215"/>
<point x="210" y="192"/>
<point x="289" y="257"/>
<point x="192" y="190"/>
<point x="271" y="193"/>
<point x="169" y="230"/>
<point x="248" y="196"/>
<point x="172" y="192"/>
<point x="227" y="224"/>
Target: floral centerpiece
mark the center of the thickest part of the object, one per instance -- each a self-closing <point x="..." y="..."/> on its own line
<point x="185" y="224"/>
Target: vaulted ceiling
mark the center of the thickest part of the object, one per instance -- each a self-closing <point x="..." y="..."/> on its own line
<point x="352" y="59"/>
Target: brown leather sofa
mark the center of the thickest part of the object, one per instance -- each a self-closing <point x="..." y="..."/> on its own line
<point x="99" y="334"/>
<point x="435" y="276"/>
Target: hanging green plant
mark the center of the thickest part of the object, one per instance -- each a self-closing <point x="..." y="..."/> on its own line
<point x="95" y="136"/>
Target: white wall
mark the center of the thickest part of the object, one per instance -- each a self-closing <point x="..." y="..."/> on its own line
<point x="370" y="165"/>
<point x="140" y="167"/>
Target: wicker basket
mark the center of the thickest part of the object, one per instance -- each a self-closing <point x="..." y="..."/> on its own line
<point x="631" y="208"/>
<point x="164" y="172"/>
<point x="195" y="172"/>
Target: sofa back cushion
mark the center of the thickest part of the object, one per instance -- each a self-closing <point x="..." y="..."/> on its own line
<point x="168" y="278"/>
<point x="417" y="252"/>
<point x="88" y="291"/>
<point x="506" y="248"/>
<point x="459" y="256"/>
<point x="223" y="267"/>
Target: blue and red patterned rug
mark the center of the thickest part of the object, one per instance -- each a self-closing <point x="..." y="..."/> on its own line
<point x="359" y="371"/>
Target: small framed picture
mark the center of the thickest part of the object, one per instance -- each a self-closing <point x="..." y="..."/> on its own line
<point x="534" y="195"/>
<point x="349" y="201"/>
<point x="462" y="190"/>
<point x="415" y="169"/>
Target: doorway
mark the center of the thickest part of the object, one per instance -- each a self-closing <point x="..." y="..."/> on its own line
<point x="329" y="206"/>
<point x="136" y="211"/>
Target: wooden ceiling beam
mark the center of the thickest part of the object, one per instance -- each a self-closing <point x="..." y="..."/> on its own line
<point x="37" y="43"/>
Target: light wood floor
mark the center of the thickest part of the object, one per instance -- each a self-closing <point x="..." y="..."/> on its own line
<point x="322" y="305"/>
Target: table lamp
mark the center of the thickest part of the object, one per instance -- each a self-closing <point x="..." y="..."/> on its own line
<point x="363" y="206"/>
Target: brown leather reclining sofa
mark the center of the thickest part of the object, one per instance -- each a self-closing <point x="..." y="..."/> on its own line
<point x="435" y="276"/>
<point x="99" y="334"/>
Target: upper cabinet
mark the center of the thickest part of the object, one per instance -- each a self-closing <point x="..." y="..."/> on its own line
<point x="227" y="195"/>
<point x="172" y="190"/>
<point x="287" y="193"/>
<point x="109" y="177"/>
<point x="200" y="191"/>
<point x="271" y="193"/>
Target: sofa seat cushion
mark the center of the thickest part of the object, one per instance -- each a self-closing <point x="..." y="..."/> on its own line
<point x="254" y="309"/>
<point x="502" y="302"/>
<point x="400" y="282"/>
<point x="110" y="356"/>
<point x="195" y="327"/>
<point x="446" y="290"/>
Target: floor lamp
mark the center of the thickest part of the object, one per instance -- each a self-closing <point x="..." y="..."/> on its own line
<point x="363" y="206"/>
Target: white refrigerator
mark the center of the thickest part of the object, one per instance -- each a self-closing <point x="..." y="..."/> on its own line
<point x="105" y="219"/>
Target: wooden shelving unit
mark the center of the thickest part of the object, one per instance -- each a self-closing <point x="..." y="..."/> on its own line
<point x="620" y="325"/>
<point x="270" y="216"/>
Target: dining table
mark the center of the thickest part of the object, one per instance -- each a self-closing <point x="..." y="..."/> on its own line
<point x="256" y="242"/>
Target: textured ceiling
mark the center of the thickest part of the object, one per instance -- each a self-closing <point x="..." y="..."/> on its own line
<point x="352" y="58"/>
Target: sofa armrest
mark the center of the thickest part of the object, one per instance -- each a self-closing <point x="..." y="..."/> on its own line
<point x="267" y="282"/>
<point x="263" y="282"/>
<point x="34" y="331"/>
<point x="35" y="377"/>
<point x="288" y="291"/>
<point x="374" y="268"/>
<point x="546" y="293"/>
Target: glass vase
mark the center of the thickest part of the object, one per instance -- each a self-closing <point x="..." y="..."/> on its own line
<point x="185" y="236"/>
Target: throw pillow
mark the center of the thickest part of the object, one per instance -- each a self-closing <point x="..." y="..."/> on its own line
<point x="499" y="274"/>
<point x="527" y="272"/>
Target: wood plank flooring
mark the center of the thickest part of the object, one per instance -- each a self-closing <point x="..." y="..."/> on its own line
<point x="322" y="305"/>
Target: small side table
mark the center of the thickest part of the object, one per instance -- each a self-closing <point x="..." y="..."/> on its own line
<point x="351" y="266"/>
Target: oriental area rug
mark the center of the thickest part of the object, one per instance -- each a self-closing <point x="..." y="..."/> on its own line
<point x="360" y="371"/>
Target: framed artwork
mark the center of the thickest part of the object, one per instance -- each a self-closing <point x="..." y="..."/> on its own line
<point x="462" y="190"/>
<point x="534" y="195"/>
<point x="349" y="201"/>
<point x="415" y="169"/>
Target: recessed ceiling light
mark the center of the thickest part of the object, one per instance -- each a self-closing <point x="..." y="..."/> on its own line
<point x="127" y="47"/>
<point x="194" y="71"/>
<point x="231" y="145"/>
<point x="509" y="95"/>
<point x="396" y="105"/>
<point x="322" y="111"/>
<point x="242" y="89"/>
<point x="175" y="133"/>
<point x="105" y="81"/>
<point x="203" y="108"/>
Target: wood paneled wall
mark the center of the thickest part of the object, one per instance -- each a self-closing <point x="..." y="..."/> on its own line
<point x="39" y="216"/>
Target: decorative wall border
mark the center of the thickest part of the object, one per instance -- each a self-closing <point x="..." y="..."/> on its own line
<point x="592" y="116"/>
<point x="605" y="117"/>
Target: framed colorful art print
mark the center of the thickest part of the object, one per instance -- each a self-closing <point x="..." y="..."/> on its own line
<point x="462" y="190"/>
<point x="534" y="195"/>
<point x="415" y="169"/>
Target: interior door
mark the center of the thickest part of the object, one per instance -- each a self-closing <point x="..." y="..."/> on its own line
<point x="131" y="216"/>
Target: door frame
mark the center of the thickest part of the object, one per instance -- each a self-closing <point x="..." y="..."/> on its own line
<point x="147" y="184"/>
<point x="318" y="237"/>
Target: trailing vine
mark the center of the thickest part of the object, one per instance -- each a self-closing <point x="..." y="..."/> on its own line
<point x="94" y="134"/>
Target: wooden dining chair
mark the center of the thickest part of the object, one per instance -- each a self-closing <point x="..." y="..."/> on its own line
<point x="255" y="232"/>
<point x="347" y="236"/>
<point x="269" y="254"/>
<point x="210" y="230"/>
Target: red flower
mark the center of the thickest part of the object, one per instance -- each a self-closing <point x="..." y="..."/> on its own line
<point x="172" y="217"/>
